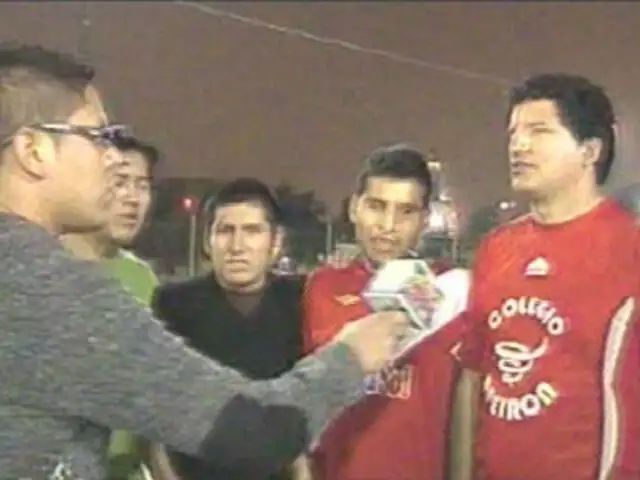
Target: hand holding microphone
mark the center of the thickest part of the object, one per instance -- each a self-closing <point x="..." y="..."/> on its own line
<point x="374" y="338"/>
<point x="429" y="301"/>
<point x="410" y="303"/>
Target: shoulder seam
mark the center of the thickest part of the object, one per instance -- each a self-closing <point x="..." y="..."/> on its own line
<point x="518" y="219"/>
<point x="506" y="226"/>
<point x="132" y="256"/>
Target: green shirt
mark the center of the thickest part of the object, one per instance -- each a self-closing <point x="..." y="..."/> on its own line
<point x="134" y="273"/>
<point x="138" y="278"/>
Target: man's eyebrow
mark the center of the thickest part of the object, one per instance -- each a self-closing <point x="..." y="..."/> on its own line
<point x="410" y="205"/>
<point x="240" y="224"/>
<point x="536" y="123"/>
<point x="252" y="224"/>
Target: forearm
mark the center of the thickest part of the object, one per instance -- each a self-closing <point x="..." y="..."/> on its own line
<point x="164" y="392"/>
<point x="266" y="425"/>
<point x="463" y="425"/>
<point x="84" y="348"/>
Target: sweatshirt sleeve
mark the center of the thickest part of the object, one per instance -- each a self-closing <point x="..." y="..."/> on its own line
<point x="77" y="345"/>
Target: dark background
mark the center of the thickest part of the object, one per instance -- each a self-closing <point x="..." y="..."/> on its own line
<point x="225" y="98"/>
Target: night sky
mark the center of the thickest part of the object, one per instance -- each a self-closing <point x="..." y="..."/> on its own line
<point x="223" y="98"/>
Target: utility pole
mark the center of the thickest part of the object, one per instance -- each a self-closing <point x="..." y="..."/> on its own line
<point x="328" y="236"/>
<point x="83" y="47"/>
<point x="191" y="206"/>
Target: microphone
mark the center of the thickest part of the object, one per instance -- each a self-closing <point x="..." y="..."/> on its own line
<point x="430" y="301"/>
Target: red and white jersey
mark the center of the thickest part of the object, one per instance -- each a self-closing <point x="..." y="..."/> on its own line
<point x="554" y="333"/>
<point x="399" y="430"/>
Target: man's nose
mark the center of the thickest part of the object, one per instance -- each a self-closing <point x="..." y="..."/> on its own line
<point x="237" y="242"/>
<point x="129" y="194"/>
<point x="519" y="143"/>
<point x="387" y="221"/>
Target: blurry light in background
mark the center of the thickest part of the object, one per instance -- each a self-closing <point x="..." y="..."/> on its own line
<point x="442" y="219"/>
<point x="506" y="205"/>
<point x="437" y="221"/>
<point x="189" y="204"/>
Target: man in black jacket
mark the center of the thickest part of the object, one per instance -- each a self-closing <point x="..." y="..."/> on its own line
<point x="240" y="314"/>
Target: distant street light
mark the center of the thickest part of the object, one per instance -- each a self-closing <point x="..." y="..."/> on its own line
<point x="437" y="222"/>
<point x="442" y="219"/>
<point x="506" y="205"/>
<point x="191" y="205"/>
<point x="442" y="222"/>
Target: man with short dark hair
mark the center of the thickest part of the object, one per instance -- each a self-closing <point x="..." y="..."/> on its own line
<point x="552" y="389"/>
<point x="399" y="430"/>
<point x="81" y="356"/>
<point x="245" y="231"/>
<point x="108" y="246"/>
<point x="239" y="313"/>
<point x="132" y="195"/>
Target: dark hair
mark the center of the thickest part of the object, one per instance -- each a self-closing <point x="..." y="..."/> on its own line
<point x="398" y="161"/>
<point x="38" y="85"/>
<point x="245" y="190"/>
<point x="131" y="144"/>
<point x="584" y="108"/>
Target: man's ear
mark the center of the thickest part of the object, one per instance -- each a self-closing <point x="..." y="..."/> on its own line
<point x="592" y="149"/>
<point x="278" y="242"/>
<point x="34" y="152"/>
<point x="354" y="201"/>
<point x="207" y="233"/>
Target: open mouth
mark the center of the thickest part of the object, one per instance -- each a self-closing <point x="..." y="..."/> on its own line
<point x="517" y="169"/>
<point x="383" y="245"/>
<point x="128" y="219"/>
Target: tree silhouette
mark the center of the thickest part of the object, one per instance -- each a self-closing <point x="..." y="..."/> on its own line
<point x="166" y="237"/>
<point x="300" y="208"/>
<point x="305" y="217"/>
<point x="479" y="223"/>
<point x="344" y="228"/>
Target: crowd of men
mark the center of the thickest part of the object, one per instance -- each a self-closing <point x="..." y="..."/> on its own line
<point x="243" y="374"/>
<point x="86" y="358"/>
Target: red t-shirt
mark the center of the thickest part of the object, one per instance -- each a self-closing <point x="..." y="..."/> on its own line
<point x="560" y="391"/>
<point x="399" y="430"/>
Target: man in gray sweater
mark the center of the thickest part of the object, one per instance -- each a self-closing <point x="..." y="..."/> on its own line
<point x="79" y="356"/>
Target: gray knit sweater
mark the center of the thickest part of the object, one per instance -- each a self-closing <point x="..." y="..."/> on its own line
<point x="79" y="358"/>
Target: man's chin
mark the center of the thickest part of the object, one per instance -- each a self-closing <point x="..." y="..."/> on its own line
<point x="380" y="258"/>
<point x="521" y="185"/>
<point x="123" y="239"/>
<point x="242" y="283"/>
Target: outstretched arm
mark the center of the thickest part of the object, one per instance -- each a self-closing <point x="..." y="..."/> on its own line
<point x="82" y="347"/>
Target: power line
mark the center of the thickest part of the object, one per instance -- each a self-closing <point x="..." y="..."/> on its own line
<point x="299" y="33"/>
